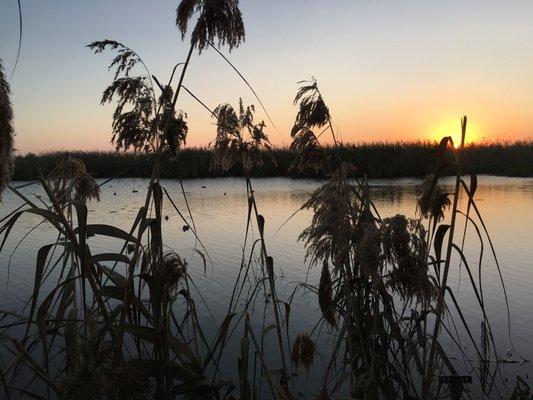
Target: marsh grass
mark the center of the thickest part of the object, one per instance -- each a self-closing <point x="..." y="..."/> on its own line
<point x="125" y="324"/>
<point x="375" y="160"/>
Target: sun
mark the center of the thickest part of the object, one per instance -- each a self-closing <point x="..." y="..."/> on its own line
<point x="453" y="128"/>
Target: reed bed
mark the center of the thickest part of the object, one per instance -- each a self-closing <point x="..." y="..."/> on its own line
<point x="124" y="324"/>
<point x="375" y="160"/>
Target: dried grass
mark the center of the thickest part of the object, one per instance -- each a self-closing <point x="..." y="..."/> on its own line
<point x="7" y="133"/>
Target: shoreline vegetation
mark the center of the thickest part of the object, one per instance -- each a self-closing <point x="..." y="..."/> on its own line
<point x="127" y="323"/>
<point x="375" y="160"/>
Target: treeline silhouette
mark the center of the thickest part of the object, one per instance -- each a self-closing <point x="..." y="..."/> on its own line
<point x="376" y="160"/>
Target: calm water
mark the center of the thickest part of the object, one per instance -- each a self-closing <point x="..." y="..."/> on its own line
<point x="219" y="208"/>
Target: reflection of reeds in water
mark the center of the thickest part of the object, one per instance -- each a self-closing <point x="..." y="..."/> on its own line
<point x="125" y="324"/>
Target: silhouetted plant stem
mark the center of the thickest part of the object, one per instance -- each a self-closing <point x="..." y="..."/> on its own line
<point x="259" y="352"/>
<point x="440" y="307"/>
<point x="269" y="265"/>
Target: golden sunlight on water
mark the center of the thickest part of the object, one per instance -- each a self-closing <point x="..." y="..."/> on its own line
<point x="219" y="207"/>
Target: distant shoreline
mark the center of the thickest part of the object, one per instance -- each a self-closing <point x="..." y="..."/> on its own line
<point x="375" y="160"/>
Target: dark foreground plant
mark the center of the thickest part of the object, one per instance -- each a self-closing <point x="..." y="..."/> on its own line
<point x="384" y="280"/>
<point x="6" y="132"/>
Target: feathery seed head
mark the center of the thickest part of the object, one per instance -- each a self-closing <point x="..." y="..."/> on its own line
<point x="303" y="351"/>
<point x="70" y="180"/>
<point x="7" y="133"/>
<point x="325" y="295"/>
<point x="135" y="123"/>
<point x="219" y="21"/>
<point x="335" y="213"/>
<point x="432" y="201"/>
<point x="307" y="150"/>
<point x="313" y="111"/>
<point x="174" y="269"/>
<point x="239" y="139"/>
<point x="404" y="250"/>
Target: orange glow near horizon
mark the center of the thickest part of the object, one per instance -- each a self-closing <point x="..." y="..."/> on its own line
<point x="452" y="128"/>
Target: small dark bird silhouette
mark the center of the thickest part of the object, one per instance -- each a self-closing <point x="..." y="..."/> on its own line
<point x="203" y="187"/>
<point x="224" y="193"/>
<point x="166" y="217"/>
<point x="185" y="228"/>
<point x="135" y="191"/>
<point x="114" y="194"/>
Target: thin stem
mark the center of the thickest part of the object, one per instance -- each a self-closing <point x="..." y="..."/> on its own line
<point x="440" y="302"/>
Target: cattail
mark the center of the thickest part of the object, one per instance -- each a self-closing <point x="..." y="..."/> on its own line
<point x="325" y="295"/>
<point x="219" y="20"/>
<point x="6" y="133"/>
<point x="303" y="351"/>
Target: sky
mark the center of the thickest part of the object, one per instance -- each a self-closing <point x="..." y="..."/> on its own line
<point x="389" y="70"/>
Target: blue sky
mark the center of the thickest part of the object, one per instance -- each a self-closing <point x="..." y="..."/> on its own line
<point x="389" y="70"/>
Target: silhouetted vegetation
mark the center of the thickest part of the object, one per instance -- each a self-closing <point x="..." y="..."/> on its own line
<point x="124" y="324"/>
<point x="6" y="132"/>
<point x="376" y="160"/>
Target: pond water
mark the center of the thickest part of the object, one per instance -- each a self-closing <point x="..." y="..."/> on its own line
<point x="219" y="208"/>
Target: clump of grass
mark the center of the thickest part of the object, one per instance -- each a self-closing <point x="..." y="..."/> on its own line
<point x="379" y="262"/>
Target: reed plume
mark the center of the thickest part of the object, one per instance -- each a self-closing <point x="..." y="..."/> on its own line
<point x="313" y="111"/>
<point x="174" y="270"/>
<point x="325" y="295"/>
<point x="330" y="232"/>
<point x="7" y="133"/>
<point x="403" y="243"/>
<point x="239" y="139"/>
<point x="69" y="180"/>
<point x="140" y="121"/>
<point x="308" y="153"/>
<point x="219" y="20"/>
<point x="432" y="201"/>
<point x="172" y="124"/>
<point x="123" y="62"/>
<point x="303" y="351"/>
